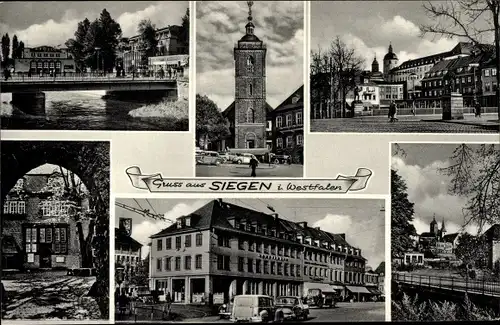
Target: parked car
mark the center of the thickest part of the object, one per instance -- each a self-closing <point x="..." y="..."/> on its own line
<point x="225" y="156"/>
<point x="292" y="307"/>
<point x="280" y="159"/>
<point x="209" y="158"/>
<point x="320" y="298"/>
<point x="226" y="310"/>
<point x="244" y="158"/>
<point x="256" y="308"/>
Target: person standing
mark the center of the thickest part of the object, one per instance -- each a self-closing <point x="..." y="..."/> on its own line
<point x="253" y="164"/>
<point x="133" y="301"/>
<point x="477" y="107"/>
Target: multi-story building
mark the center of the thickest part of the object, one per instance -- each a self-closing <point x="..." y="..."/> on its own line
<point x="372" y="282"/>
<point x="492" y="236"/>
<point x="45" y="60"/>
<point x="222" y="250"/>
<point x="127" y="254"/>
<point x="38" y="229"/>
<point x="489" y="83"/>
<point x="288" y="127"/>
<point x="169" y="43"/>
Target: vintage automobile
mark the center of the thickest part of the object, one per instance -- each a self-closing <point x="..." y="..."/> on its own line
<point x="256" y="309"/>
<point x="320" y="298"/>
<point x="280" y="159"/>
<point x="226" y="310"/>
<point x="209" y="158"/>
<point x="292" y="307"/>
<point x="244" y="158"/>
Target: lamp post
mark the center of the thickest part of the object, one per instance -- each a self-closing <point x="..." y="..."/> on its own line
<point x="413" y="75"/>
<point x="474" y="66"/>
<point x="97" y="49"/>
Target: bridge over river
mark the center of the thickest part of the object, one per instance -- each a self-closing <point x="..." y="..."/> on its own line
<point x="28" y="92"/>
<point x="451" y="288"/>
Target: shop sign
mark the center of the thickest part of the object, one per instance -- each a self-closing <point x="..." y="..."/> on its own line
<point x="273" y="257"/>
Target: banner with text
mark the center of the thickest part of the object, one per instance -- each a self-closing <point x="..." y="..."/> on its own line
<point x="155" y="183"/>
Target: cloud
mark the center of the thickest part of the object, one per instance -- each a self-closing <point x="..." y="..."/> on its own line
<point x="399" y="27"/>
<point x="359" y="233"/>
<point x="219" y="25"/>
<point x="57" y="31"/>
<point x="428" y="190"/>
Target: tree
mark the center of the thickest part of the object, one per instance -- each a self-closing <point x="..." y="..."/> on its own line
<point x="210" y="124"/>
<point x="76" y="45"/>
<point x="147" y="40"/>
<point x="475" y="174"/>
<point x="401" y="217"/>
<point x="184" y="36"/>
<point x="471" y="250"/>
<point x="91" y="45"/>
<point x="20" y="50"/>
<point x="141" y="276"/>
<point x="474" y="20"/>
<point x="109" y="37"/>
<point x="342" y="63"/>
<point x="5" y="48"/>
<point x="15" y="47"/>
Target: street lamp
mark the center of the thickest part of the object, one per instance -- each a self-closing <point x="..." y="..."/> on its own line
<point x="474" y="66"/>
<point x="413" y="76"/>
<point x="97" y="49"/>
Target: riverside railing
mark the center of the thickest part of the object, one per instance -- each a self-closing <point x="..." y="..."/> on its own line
<point x="75" y="77"/>
<point x="491" y="288"/>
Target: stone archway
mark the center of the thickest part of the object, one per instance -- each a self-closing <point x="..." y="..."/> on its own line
<point x="87" y="159"/>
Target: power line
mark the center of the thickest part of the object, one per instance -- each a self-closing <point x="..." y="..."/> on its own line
<point x="151" y="206"/>
<point x="140" y="207"/>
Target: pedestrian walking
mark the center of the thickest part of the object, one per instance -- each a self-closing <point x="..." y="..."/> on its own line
<point x="133" y="301"/>
<point x="477" y="107"/>
<point x="253" y="164"/>
<point x="168" y="302"/>
<point x="392" y="112"/>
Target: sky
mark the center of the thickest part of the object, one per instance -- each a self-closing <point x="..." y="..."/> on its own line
<point x="428" y="189"/>
<point x="219" y="25"/>
<point x="360" y="219"/>
<point x="53" y="23"/>
<point x="370" y="26"/>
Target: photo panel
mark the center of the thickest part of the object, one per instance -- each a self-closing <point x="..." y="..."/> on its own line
<point x="111" y="66"/>
<point x="55" y="231"/>
<point x="250" y="88"/>
<point x="308" y="257"/>
<point x="406" y="69"/>
<point x="445" y="231"/>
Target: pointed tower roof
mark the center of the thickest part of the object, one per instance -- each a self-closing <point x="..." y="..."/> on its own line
<point x="434" y="222"/>
<point x="443" y="228"/>
<point x="375" y="66"/>
<point x="390" y="55"/>
<point x="249" y="27"/>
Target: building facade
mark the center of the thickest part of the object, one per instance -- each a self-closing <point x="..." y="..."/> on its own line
<point x="288" y="127"/>
<point x="127" y="254"/>
<point x="489" y="83"/>
<point x="38" y="230"/>
<point x="222" y="250"/>
<point x="45" y="60"/>
<point x="492" y="236"/>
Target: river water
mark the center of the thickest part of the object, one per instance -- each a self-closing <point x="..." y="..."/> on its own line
<point x="85" y="110"/>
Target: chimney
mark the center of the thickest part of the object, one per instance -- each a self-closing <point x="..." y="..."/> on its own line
<point x="317" y="228"/>
<point x="220" y="201"/>
<point x="303" y="224"/>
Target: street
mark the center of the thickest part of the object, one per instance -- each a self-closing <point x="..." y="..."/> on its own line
<point x="234" y="170"/>
<point x="49" y="295"/>
<point x="344" y="312"/>
<point x="487" y="123"/>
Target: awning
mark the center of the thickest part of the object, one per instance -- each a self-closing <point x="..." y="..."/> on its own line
<point x="337" y="287"/>
<point x="374" y="291"/>
<point x="255" y="151"/>
<point x="358" y="289"/>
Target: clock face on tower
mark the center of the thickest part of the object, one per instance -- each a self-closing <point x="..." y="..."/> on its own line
<point x="126" y="225"/>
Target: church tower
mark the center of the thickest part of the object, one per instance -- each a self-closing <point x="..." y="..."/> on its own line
<point x="390" y="61"/>
<point x="375" y="66"/>
<point x="434" y="226"/>
<point x="250" y="89"/>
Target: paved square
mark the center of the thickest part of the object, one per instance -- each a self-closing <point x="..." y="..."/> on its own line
<point x="488" y="123"/>
<point x="264" y="170"/>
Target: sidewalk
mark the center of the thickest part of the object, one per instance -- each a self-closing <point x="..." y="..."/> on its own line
<point x="488" y="120"/>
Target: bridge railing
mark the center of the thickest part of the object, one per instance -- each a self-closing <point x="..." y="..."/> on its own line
<point x="452" y="283"/>
<point x="74" y="77"/>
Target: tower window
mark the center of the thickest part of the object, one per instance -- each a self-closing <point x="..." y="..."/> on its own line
<point x="250" y="89"/>
<point x="250" y="115"/>
<point x="250" y="63"/>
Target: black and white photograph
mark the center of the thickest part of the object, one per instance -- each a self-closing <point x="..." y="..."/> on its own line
<point x="249" y="88"/>
<point x="55" y="230"/>
<point x="404" y="66"/>
<point x="445" y="231"/>
<point x="210" y="260"/>
<point x="95" y="65"/>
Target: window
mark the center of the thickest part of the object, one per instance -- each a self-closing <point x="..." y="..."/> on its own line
<point x="187" y="262"/>
<point x="258" y="247"/>
<point x="241" y="244"/>
<point x="14" y="207"/>
<point x="60" y="240"/>
<point x="258" y="266"/>
<point x="30" y="240"/>
<point x="223" y="262"/>
<point x="486" y="72"/>
<point x="241" y="262"/>
<point x="197" y="261"/>
<point x="168" y="243"/>
<point x="199" y="239"/>
<point x="286" y="269"/>
<point x="178" y="242"/>
<point x="223" y="241"/>
<point x="289" y="120"/>
<point x="55" y="208"/>
<point x="251" y="244"/>
<point x="280" y="269"/>
<point x="250" y="265"/>
<point x="250" y="115"/>
<point x="292" y="270"/>
<point x="279" y="121"/>
<point x="273" y="249"/>
<point x="250" y="89"/>
<point x="298" y="270"/>
<point x="273" y="267"/>
<point x="300" y="139"/>
<point x="266" y="267"/>
<point x="158" y="264"/>
<point x="298" y="118"/>
<point x="168" y="264"/>
<point x="469" y="79"/>
<point x="159" y="244"/>
<point x="279" y="142"/>
<point x="187" y="221"/>
<point x="487" y="87"/>
<point x="289" y="141"/>
<point x="187" y="242"/>
<point x="305" y="270"/>
<point x="250" y="64"/>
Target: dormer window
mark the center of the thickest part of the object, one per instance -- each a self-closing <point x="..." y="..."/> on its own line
<point x="179" y="223"/>
<point x="188" y="222"/>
